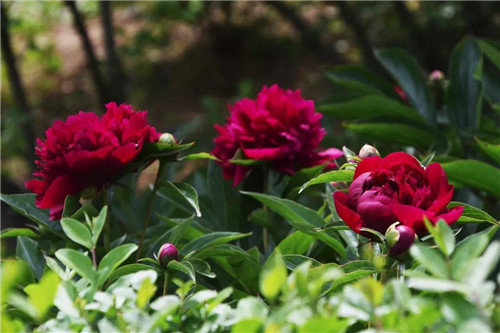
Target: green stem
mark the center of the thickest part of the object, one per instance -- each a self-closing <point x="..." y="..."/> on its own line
<point x="165" y="283"/>
<point x="94" y="259"/>
<point x="150" y="207"/>
<point x="265" y="232"/>
<point x="107" y="245"/>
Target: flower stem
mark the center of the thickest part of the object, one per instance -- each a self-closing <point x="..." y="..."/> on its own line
<point x="165" y="283"/>
<point x="94" y="260"/>
<point x="150" y="207"/>
<point x="107" y="246"/>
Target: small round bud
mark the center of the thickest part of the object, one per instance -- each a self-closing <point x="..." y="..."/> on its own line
<point x="436" y="76"/>
<point x="399" y="239"/>
<point x="368" y="151"/>
<point x="167" y="253"/>
<point x="167" y="138"/>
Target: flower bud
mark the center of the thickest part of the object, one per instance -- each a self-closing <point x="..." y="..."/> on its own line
<point x="167" y="138"/>
<point x="368" y="151"/>
<point x="399" y="239"/>
<point x="167" y="253"/>
<point x="436" y="76"/>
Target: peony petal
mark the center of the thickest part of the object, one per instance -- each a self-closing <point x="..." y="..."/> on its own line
<point x="440" y="203"/>
<point x="268" y="154"/>
<point x="367" y="165"/>
<point x="331" y="153"/>
<point x="356" y="189"/>
<point x="412" y="217"/>
<point x="239" y="174"/>
<point x="58" y="190"/>
<point x="451" y="216"/>
<point x="126" y="153"/>
<point x="437" y="180"/>
<point x="350" y="217"/>
<point x="399" y="158"/>
<point x="36" y="185"/>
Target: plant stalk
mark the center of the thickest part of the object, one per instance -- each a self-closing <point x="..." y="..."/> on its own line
<point x="150" y="207"/>
<point x="165" y="283"/>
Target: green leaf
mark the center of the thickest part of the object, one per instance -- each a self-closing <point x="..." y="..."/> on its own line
<point x="489" y="149"/>
<point x="404" y="68"/>
<point x="273" y="276"/>
<point x="436" y="285"/>
<point x="27" y="250"/>
<point x="325" y="325"/>
<point x="184" y="267"/>
<point x="358" y="79"/>
<point x="41" y="295"/>
<point x="78" y="262"/>
<point x="126" y="270"/>
<point x="209" y="240"/>
<point x="443" y="236"/>
<point x="302" y="218"/>
<point x="112" y="260"/>
<point x="77" y="232"/>
<point x="292" y="261"/>
<point x="491" y="86"/>
<point x="464" y="94"/>
<point x="328" y="177"/>
<point x="14" y="232"/>
<point x="182" y="195"/>
<point x="302" y="176"/>
<point x="430" y="259"/>
<point x="472" y="214"/>
<point x="394" y="132"/>
<point x="475" y="174"/>
<point x="24" y="204"/>
<point x="465" y="253"/>
<point x="202" y="267"/>
<point x="98" y="223"/>
<point x="145" y="292"/>
<point x="157" y="150"/>
<point x="348" y="278"/>
<point x="296" y="243"/>
<point x="482" y="267"/>
<point x="491" y="49"/>
<point x="215" y="186"/>
<point x="198" y="156"/>
<point x="246" y="162"/>
<point x="71" y="205"/>
<point x="371" y="106"/>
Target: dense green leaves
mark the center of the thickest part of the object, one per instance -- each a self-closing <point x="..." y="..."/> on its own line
<point x="331" y="176"/>
<point x="475" y="174"/>
<point x="371" y="106"/>
<point x="273" y="276"/>
<point x="464" y="95"/>
<point x="24" y="204"/>
<point x="404" y="68"/>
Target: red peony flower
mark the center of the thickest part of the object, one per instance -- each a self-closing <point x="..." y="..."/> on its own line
<point x="396" y="188"/>
<point x="279" y="126"/>
<point x="85" y="151"/>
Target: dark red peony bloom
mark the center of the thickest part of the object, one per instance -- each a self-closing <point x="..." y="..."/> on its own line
<point x="396" y="188"/>
<point x="279" y="126"/>
<point x="85" y="151"/>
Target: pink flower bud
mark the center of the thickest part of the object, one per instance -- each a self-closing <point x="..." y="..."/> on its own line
<point x="436" y="76"/>
<point x="167" y="253"/>
<point x="399" y="239"/>
<point x="368" y="151"/>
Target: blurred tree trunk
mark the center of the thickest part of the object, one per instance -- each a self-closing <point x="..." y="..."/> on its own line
<point x="17" y="86"/>
<point x="352" y="20"/>
<point x="117" y="78"/>
<point x="310" y="37"/>
<point x="92" y="62"/>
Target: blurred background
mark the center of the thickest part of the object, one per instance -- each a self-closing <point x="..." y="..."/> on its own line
<point x="184" y="61"/>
